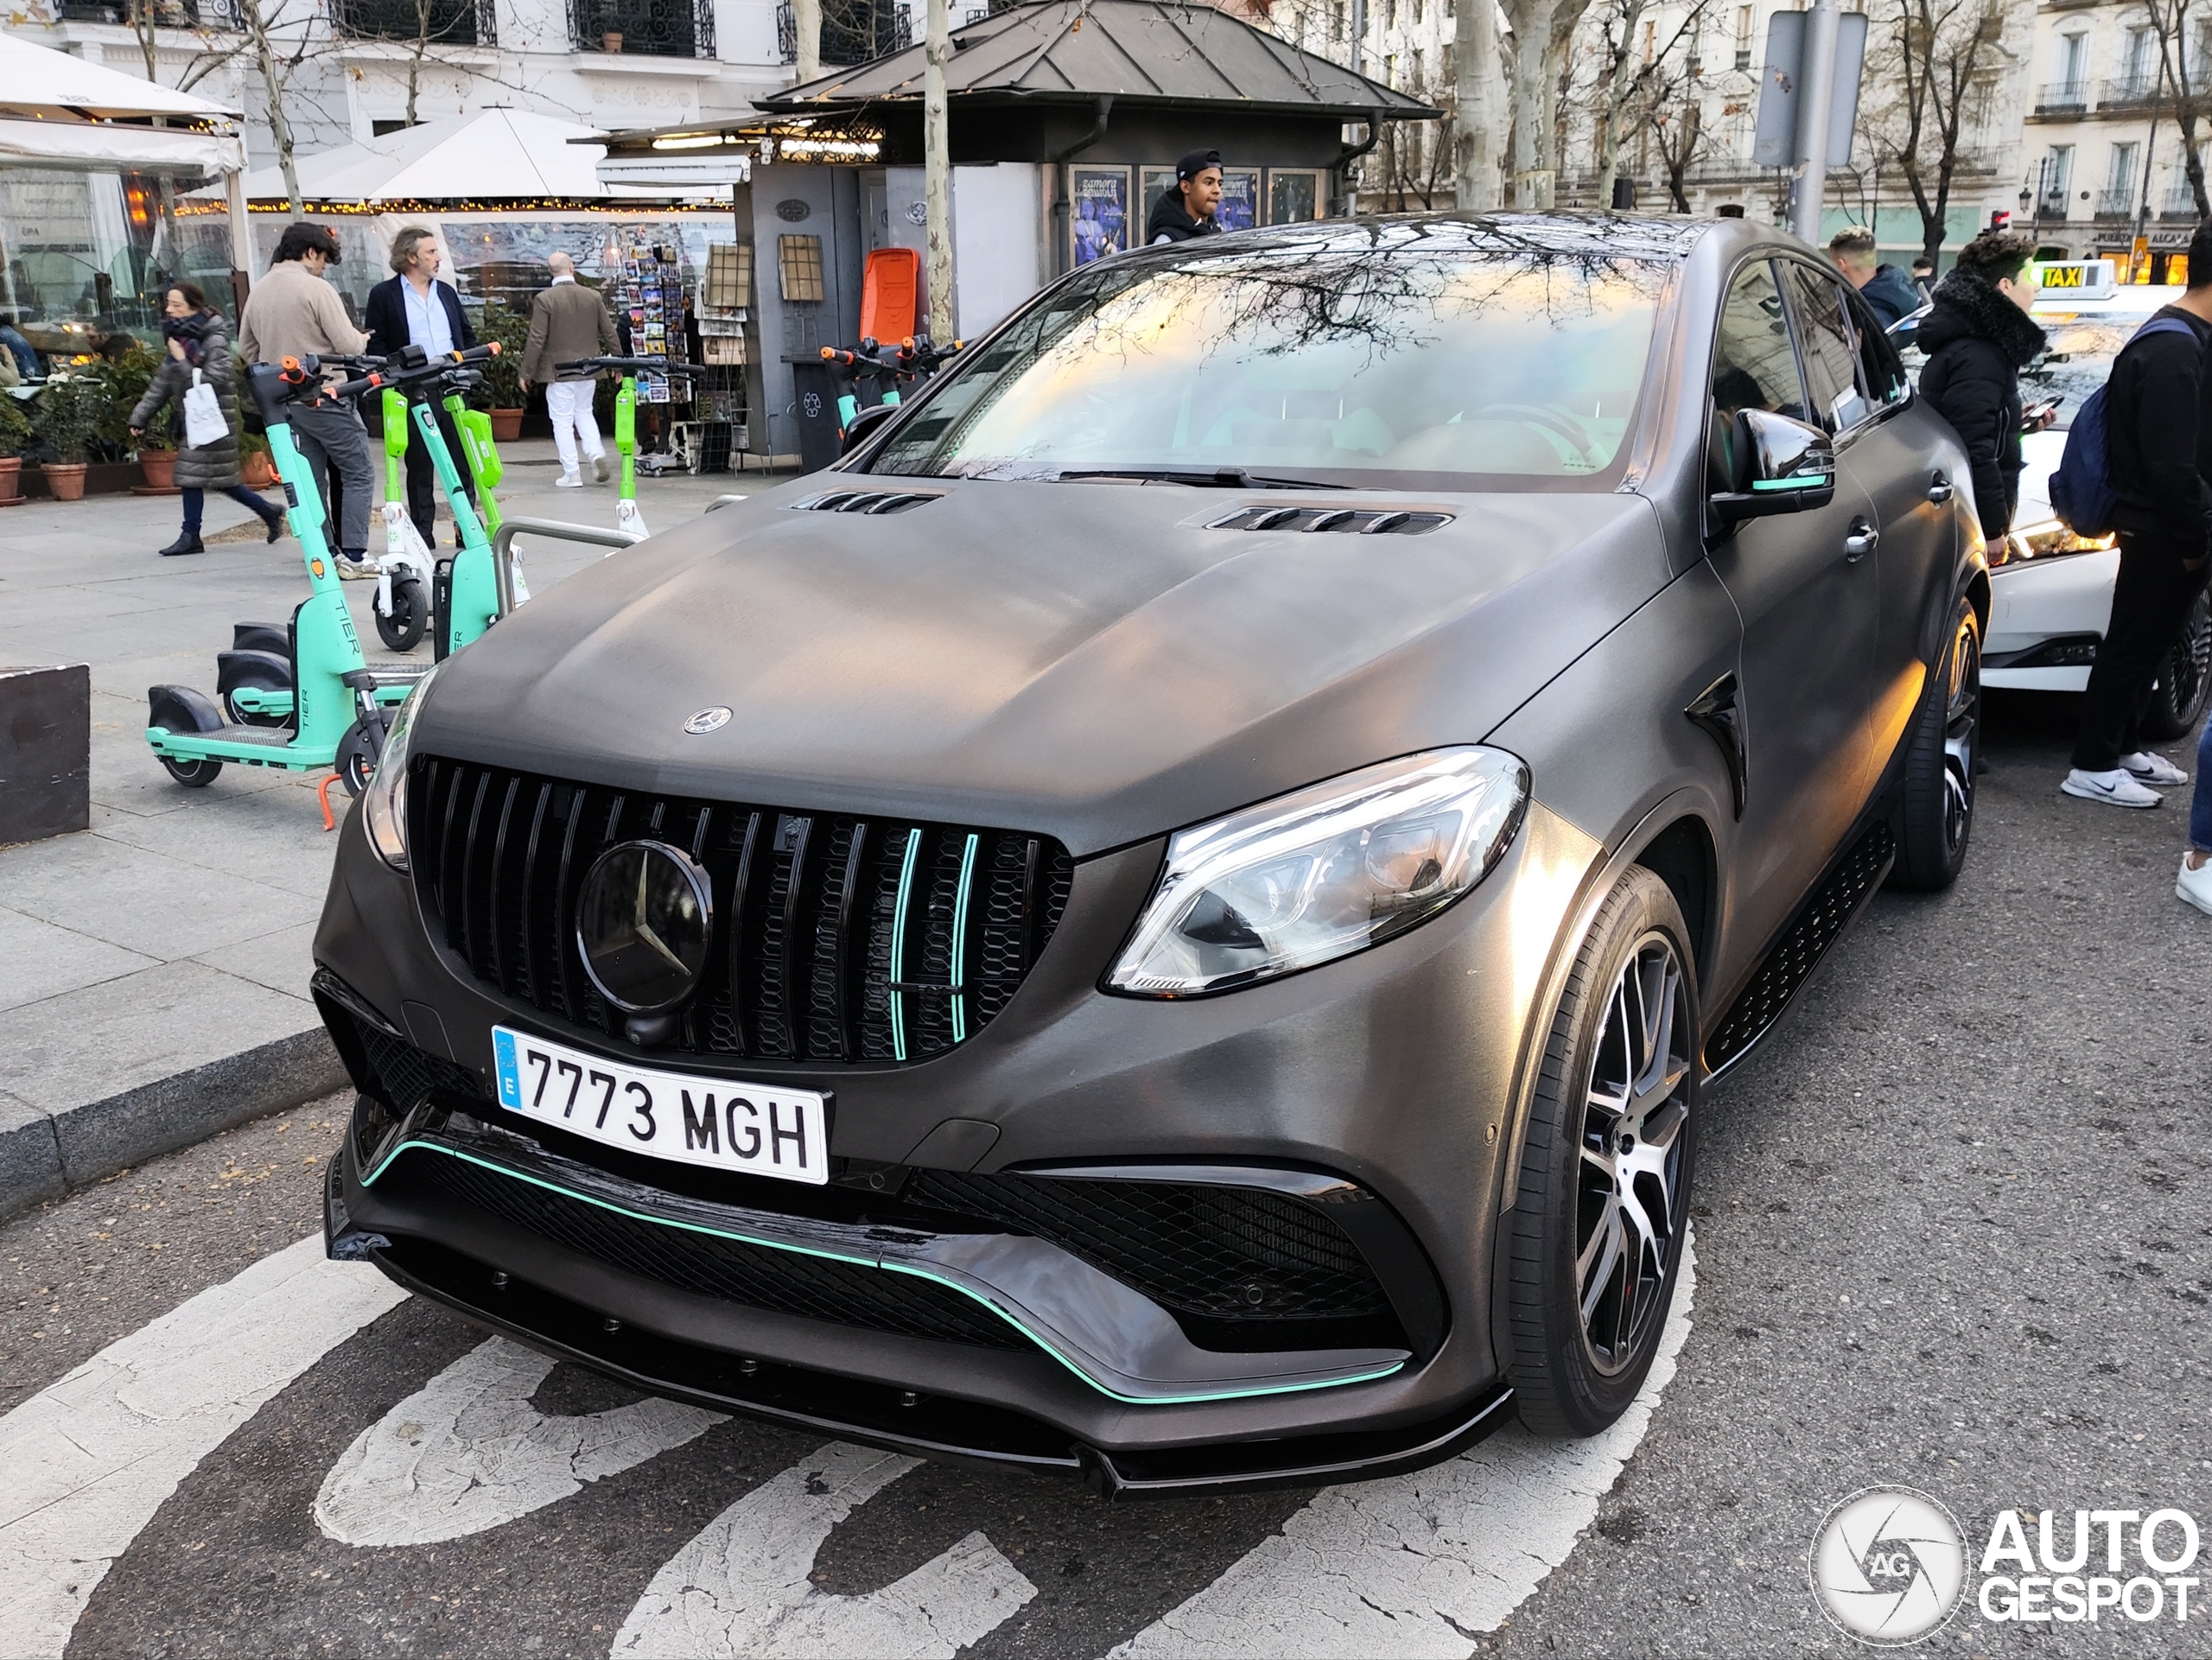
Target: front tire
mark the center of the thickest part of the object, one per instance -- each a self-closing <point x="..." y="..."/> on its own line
<point x="1937" y="815"/>
<point x="410" y="614"/>
<point x="356" y="762"/>
<point x="193" y="774"/>
<point x="2184" y="680"/>
<point x="1595" y="1241"/>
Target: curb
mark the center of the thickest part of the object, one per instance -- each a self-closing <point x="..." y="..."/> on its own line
<point x="46" y="1155"/>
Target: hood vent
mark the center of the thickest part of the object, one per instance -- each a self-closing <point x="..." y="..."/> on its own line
<point x="1341" y="521"/>
<point x="865" y="501"/>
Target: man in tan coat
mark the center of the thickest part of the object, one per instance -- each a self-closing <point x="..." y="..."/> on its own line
<point x="567" y="322"/>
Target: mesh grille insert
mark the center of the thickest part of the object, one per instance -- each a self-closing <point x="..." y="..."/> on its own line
<point x="836" y="937"/>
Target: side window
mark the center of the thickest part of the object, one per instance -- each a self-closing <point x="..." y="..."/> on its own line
<point x="1831" y="354"/>
<point x="1753" y="367"/>
<point x="1881" y="371"/>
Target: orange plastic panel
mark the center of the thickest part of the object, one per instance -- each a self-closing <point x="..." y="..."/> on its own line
<point x="890" y="292"/>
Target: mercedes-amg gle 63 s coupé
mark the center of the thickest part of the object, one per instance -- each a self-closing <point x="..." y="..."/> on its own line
<point x="1168" y="918"/>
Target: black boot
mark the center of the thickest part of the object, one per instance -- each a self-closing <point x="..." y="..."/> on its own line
<point x="275" y="524"/>
<point x="187" y="542"/>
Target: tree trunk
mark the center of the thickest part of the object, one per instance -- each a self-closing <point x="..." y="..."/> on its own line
<point x="1475" y="138"/>
<point x="1617" y="90"/>
<point x="937" y="169"/>
<point x="806" y="25"/>
<point x="1532" y="115"/>
<point x="272" y="82"/>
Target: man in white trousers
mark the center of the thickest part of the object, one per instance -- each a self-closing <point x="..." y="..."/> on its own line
<point x="567" y="322"/>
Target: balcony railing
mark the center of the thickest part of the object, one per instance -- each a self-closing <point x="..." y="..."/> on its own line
<point x="2053" y="206"/>
<point x="2129" y="92"/>
<point x="853" y="31"/>
<point x="2180" y="203"/>
<point x="2118" y="204"/>
<point x="2063" y="97"/>
<point x="441" y="22"/>
<point x="169" y="14"/>
<point x="652" y="29"/>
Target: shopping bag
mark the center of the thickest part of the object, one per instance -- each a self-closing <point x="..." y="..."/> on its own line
<point x="203" y="415"/>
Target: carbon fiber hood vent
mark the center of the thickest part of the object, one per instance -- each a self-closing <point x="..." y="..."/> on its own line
<point x="865" y="501"/>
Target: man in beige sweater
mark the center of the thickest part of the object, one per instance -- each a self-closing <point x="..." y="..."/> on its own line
<point x="567" y="322"/>
<point x="292" y="312"/>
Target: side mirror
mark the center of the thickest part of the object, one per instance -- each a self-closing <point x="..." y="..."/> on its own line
<point x="869" y="421"/>
<point x="1775" y="465"/>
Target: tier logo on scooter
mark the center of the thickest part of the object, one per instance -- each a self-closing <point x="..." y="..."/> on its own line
<point x="708" y="720"/>
<point x="1887" y="1566"/>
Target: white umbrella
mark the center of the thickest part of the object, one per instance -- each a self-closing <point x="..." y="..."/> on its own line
<point x="45" y="84"/>
<point x="491" y="155"/>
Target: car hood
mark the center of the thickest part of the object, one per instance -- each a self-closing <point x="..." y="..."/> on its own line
<point x="2040" y="453"/>
<point x="1085" y="660"/>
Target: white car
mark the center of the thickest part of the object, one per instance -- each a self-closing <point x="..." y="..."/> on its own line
<point x="2051" y="590"/>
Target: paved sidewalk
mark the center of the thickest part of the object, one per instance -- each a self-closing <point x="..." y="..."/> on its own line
<point x="152" y="972"/>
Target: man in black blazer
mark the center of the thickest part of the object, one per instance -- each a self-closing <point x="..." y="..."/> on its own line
<point x="414" y="308"/>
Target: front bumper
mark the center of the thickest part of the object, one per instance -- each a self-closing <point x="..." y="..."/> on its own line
<point x="1393" y="1073"/>
<point x="2046" y="616"/>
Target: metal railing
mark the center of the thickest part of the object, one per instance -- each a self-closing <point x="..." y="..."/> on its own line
<point x="503" y="541"/>
<point x="2054" y="207"/>
<point x="441" y="22"/>
<point x="2118" y="204"/>
<point x="2062" y="95"/>
<point x="653" y="28"/>
<point x="2129" y="92"/>
<point x="853" y="31"/>
<point x="168" y="13"/>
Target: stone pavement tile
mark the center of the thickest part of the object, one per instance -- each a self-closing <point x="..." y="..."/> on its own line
<point x="283" y="961"/>
<point x="104" y="1040"/>
<point x="129" y="776"/>
<point x="143" y="901"/>
<point x="39" y="960"/>
<point x="278" y="842"/>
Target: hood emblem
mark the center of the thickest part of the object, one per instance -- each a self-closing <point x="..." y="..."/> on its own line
<point x="708" y="720"/>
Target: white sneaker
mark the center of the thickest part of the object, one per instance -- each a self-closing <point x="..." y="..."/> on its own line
<point x="568" y="481"/>
<point x="2119" y="787"/>
<point x="2147" y="768"/>
<point x="2195" y="887"/>
<point x="599" y="467"/>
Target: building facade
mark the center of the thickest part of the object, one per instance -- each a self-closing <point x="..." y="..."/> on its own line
<point x="2106" y="174"/>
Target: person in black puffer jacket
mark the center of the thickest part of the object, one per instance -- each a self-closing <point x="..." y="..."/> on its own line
<point x="199" y="351"/>
<point x="1978" y="339"/>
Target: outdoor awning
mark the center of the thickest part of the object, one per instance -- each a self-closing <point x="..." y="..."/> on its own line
<point x="86" y="143"/>
<point x="36" y="79"/>
<point x="490" y="155"/>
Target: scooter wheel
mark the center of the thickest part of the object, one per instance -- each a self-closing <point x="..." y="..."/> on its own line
<point x="193" y="775"/>
<point x="410" y="614"/>
<point x="355" y="763"/>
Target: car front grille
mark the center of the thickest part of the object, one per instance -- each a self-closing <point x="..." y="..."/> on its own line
<point x="1242" y="1254"/>
<point x="810" y="911"/>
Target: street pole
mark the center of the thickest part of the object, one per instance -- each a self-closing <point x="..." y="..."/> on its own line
<point x="937" y="170"/>
<point x="1359" y="35"/>
<point x="1816" y="92"/>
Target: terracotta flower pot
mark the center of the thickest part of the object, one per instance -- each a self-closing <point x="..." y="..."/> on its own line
<point x="66" y="480"/>
<point x="256" y="471"/>
<point x="160" y="467"/>
<point x="506" y="425"/>
<point x="11" y="481"/>
<point x="611" y="40"/>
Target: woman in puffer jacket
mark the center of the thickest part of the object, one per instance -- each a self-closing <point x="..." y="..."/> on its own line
<point x="194" y="332"/>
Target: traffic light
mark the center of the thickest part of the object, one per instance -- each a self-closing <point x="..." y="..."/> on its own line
<point x="2000" y="219"/>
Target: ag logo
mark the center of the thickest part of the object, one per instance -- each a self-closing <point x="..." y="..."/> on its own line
<point x="1887" y="1564"/>
<point x="708" y="720"/>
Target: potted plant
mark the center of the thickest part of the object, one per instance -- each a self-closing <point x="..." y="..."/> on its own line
<point x="69" y="421"/>
<point x="611" y="40"/>
<point x="157" y="461"/>
<point x="257" y="466"/>
<point x="15" y="433"/>
<point x="503" y="374"/>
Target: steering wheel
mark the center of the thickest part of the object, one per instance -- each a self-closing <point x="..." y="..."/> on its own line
<point x="1553" y="420"/>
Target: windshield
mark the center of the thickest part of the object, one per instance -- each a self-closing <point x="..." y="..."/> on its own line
<point x="2079" y="352"/>
<point x="1464" y="368"/>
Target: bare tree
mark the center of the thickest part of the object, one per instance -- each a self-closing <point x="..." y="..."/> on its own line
<point x="1624" y="83"/>
<point x="1673" y="115"/>
<point x="281" y="41"/>
<point x="1940" y="48"/>
<point x="2184" y="35"/>
<point x="1542" y="30"/>
<point x="806" y="25"/>
<point x="1476" y="105"/>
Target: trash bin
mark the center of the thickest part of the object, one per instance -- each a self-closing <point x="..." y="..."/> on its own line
<point x="817" y="410"/>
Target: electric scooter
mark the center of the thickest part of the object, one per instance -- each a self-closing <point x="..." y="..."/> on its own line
<point x="403" y="596"/>
<point x="334" y="720"/>
<point x="626" y="516"/>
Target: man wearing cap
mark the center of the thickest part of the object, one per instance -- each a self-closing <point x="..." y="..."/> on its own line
<point x="1188" y="209"/>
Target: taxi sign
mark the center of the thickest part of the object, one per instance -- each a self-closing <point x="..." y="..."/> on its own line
<point x="2088" y="279"/>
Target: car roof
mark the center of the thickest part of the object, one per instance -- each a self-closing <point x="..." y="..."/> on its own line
<point x="1613" y="235"/>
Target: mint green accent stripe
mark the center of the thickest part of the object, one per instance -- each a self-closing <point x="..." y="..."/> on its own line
<point x="899" y="945"/>
<point x="370" y="1178"/>
<point x="1789" y="484"/>
<point x="960" y="943"/>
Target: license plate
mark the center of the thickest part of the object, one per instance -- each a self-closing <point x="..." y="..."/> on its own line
<point x="758" y="1128"/>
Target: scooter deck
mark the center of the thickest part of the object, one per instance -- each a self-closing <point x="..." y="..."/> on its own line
<point x="249" y="746"/>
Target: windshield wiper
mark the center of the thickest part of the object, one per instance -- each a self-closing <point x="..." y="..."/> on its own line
<point x="1217" y="478"/>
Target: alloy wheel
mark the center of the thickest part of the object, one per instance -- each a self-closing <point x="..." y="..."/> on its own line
<point x="1629" y="1190"/>
<point x="1961" y="737"/>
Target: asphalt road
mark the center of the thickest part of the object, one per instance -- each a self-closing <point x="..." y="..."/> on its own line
<point x="1952" y="1232"/>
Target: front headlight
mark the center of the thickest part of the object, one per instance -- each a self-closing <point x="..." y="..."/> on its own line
<point x="1322" y="873"/>
<point x="2048" y="540"/>
<point x="383" y="803"/>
